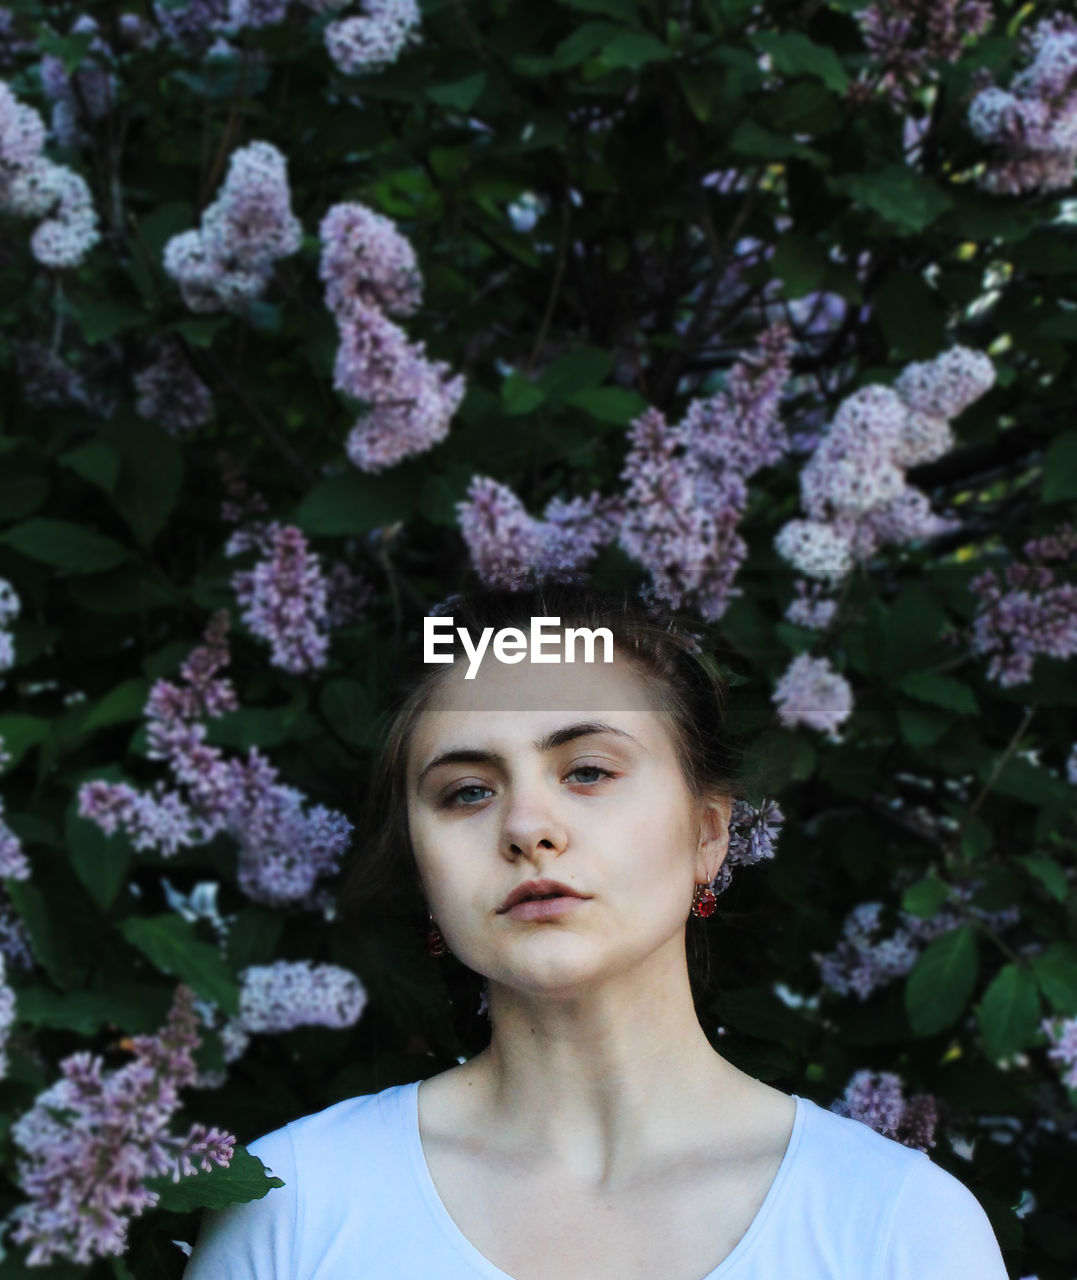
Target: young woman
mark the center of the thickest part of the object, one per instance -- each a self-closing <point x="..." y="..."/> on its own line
<point x="599" y="1134"/>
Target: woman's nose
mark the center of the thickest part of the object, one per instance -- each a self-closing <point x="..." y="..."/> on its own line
<point x="532" y="824"/>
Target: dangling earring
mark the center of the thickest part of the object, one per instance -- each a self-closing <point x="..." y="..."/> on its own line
<point x="704" y="902"/>
<point x="435" y="943"/>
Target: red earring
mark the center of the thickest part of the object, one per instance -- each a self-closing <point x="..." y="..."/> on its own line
<point x="704" y="902"/>
<point x="435" y="943"/>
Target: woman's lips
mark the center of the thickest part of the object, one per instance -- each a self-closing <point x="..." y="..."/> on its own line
<point x="544" y="908"/>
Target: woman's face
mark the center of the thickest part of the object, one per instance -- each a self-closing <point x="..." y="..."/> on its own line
<point x="569" y="773"/>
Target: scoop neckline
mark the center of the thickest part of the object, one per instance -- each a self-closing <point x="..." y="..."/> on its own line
<point x="408" y="1100"/>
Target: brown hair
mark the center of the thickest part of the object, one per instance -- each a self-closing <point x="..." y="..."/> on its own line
<point x="691" y="690"/>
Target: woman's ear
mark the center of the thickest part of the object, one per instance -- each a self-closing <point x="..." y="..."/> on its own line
<point x="714" y="835"/>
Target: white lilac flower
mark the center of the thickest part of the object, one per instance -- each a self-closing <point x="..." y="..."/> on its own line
<point x="372" y="41"/>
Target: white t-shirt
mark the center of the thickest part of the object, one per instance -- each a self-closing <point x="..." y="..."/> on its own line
<point x="359" y="1204"/>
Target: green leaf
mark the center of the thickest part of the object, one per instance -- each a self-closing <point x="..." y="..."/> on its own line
<point x="793" y="54"/>
<point x="519" y="395"/>
<point x="65" y="545"/>
<point x="576" y="371"/>
<point x="941" y="982"/>
<point x="582" y="43"/>
<point x="134" y="1007"/>
<point x="125" y="702"/>
<point x="752" y="139"/>
<point x="347" y="706"/>
<point x="1048" y="873"/>
<point x="977" y="838"/>
<point x="800" y="264"/>
<point x="635" y="49"/>
<point x="101" y="862"/>
<point x="922" y="726"/>
<point x="1055" y="970"/>
<point x="1009" y="1011"/>
<point x="906" y="199"/>
<point x="244" y="1179"/>
<point x="151" y="474"/>
<point x="354" y="502"/>
<point x="912" y="316"/>
<point x="101" y="318"/>
<point x="1060" y="469"/>
<point x="21" y="493"/>
<point x="698" y="86"/>
<point x="609" y="404"/>
<point x="253" y="937"/>
<point x="170" y="943"/>
<point x="924" y="898"/>
<point x="940" y="691"/>
<point x="460" y="94"/>
<point x="96" y="462"/>
<point x="19" y="734"/>
<point x="625" y="10"/>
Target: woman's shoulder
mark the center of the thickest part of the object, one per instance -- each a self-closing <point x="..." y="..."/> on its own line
<point x="349" y="1128"/>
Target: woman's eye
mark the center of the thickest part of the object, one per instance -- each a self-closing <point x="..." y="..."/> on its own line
<point x="590" y="768"/>
<point x="465" y="796"/>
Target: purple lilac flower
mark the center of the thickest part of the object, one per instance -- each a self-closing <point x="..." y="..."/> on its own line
<point x="86" y="93"/>
<point x="9" y="611"/>
<point x="753" y="837"/>
<point x="14" y="938"/>
<point x="195" y="24"/>
<point x="7" y="1015"/>
<point x="284" y="846"/>
<point x="228" y="262"/>
<point x="853" y="486"/>
<point x="285" y="601"/>
<point x="32" y="186"/>
<point x="376" y="39"/>
<point x="905" y="37"/>
<point x="281" y="996"/>
<point x="812" y="693"/>
<point x="412" y="399"/>
<point x="876" y="1098"/>
<point x="1032" y="127"/>
<point x="365" y="259"/>
<point x="12" y="44"/>
<point x="13" y="862"/>
<point x="863" y="960"/>
<point x="92" y="1139"/>
<point x="809" y="609"/>
<point x="1063" y="1037"/>
<point x="171" y="394"/>
<point x="1035" y="616"/>
<point x="1071" y="766"/>
<point x="48" y="381"/>
<point x="686" y="486"/>
<point x="509" y="548"/>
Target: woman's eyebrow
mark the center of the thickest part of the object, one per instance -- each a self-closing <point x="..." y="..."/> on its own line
<point x="557" y="738"/>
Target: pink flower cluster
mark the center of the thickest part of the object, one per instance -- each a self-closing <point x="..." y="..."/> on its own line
<point x="371" y="41"/>
<point x="228" y="262"/>
<point x="370" y="272"/>
<point x="278" y="997"/>
<point x="171" y="394"/>
<point x="284" y="848"/>
<point x="906" y="37"/>
<point x="92" y="1140"/>
<point x="32" y="186"/>
<point x="1062" y="1035"/>
<point x="876" y="1098"/>
<point x="685" y="492"/>
<point x="853" y="487"/>
<point x="863" y="960"/>
<point x="508" y="547"/>
<point x="812" y="693"/>
<point x="1032" y="126"/>
<point x="1037" y="615"/>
